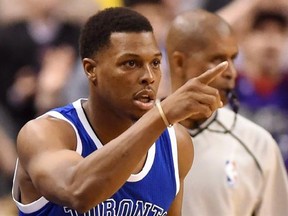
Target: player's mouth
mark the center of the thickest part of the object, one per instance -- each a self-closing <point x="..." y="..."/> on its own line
<point x="145" y="99"/>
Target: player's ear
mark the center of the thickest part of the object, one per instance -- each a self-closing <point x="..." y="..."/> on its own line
<point x="89" y="66"/>
<point x="178" y="60"/>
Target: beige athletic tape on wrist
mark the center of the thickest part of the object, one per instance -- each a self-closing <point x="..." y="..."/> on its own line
<point x="163" y="116"/>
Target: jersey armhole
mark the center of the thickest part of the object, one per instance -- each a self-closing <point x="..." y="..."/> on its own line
<point x="173" y="139"/>
<point x="25" y="208"/>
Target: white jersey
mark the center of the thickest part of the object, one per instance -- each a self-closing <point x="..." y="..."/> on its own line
<point x="237" y="170"/>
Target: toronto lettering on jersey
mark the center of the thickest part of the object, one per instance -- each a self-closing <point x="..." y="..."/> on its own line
<point x="126" y="208"/>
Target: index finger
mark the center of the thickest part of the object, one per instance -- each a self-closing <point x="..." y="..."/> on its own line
<point x="209" y="75"/>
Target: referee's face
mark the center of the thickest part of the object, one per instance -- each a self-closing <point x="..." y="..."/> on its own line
<point x="218" y="48"/>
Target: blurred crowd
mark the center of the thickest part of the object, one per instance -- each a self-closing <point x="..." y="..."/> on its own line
<point x="40" y="67"/>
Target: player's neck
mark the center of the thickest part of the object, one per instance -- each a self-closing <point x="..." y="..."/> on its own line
<point x="105" y="127"/>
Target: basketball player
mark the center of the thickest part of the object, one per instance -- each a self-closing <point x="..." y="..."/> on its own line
<point x="115" y="153"/>
<point x="238" y="169"/>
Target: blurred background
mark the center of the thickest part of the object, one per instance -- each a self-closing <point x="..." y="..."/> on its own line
<point x="40" y="67"/>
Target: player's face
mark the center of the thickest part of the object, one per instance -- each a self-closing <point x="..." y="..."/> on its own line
<point x="219" y="49"/>
<point x="128" y="74"/>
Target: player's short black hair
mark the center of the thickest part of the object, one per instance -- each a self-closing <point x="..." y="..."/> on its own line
<point x="97" y="31"/>
<point x="263" y="16"/>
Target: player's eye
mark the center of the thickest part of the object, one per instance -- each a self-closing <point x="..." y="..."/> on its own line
<point x="156" y="63"/>
<point x="131" y="64"/>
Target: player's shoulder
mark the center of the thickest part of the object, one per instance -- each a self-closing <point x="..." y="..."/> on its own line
<point x="44" y="126"/>
<point x="45" y="133"/>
